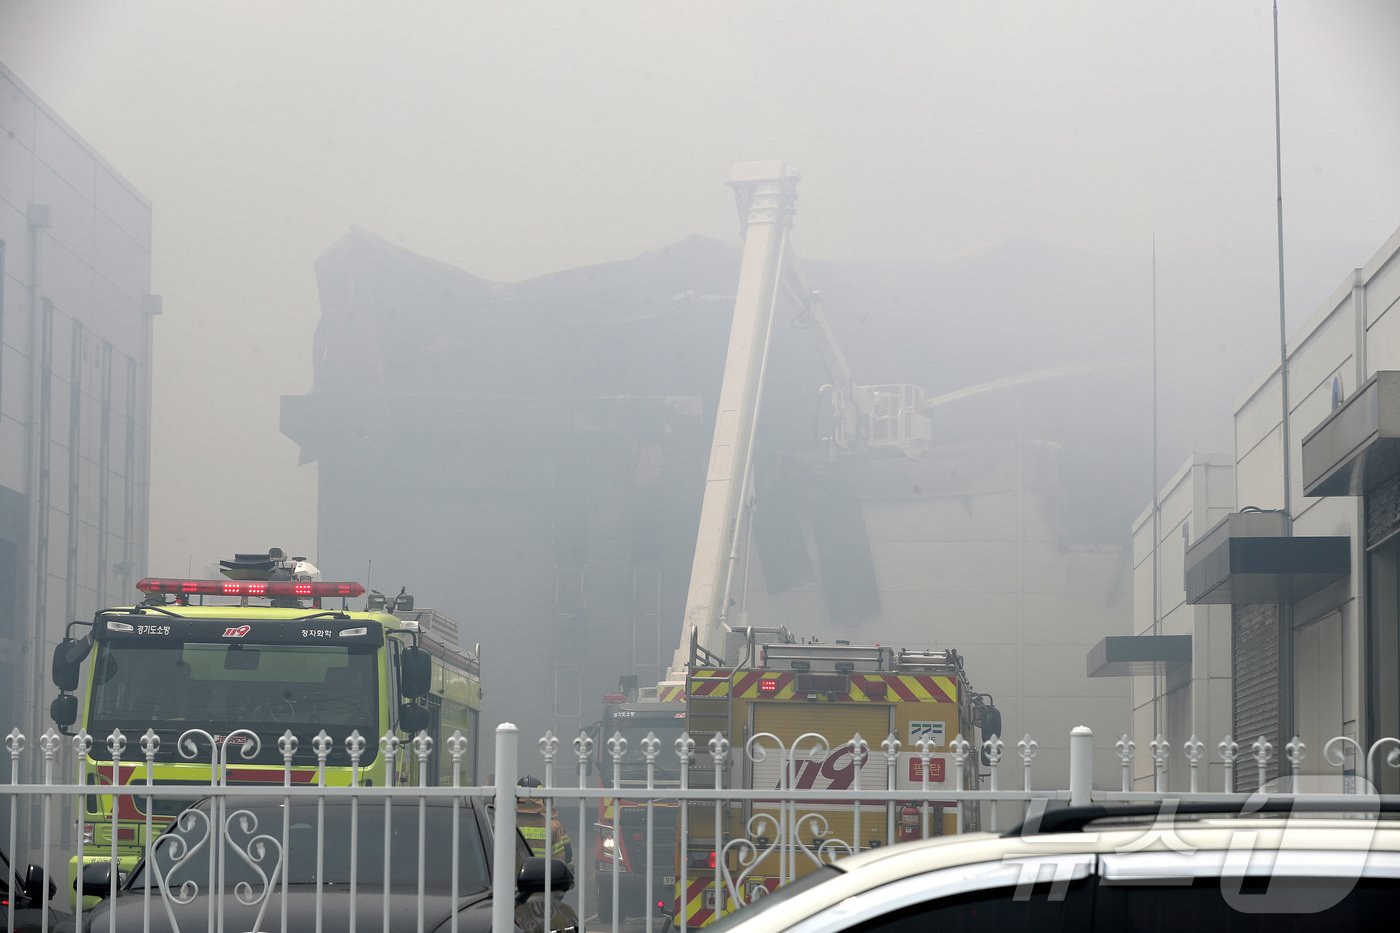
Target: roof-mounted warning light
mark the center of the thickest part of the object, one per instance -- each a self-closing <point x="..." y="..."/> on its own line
<point x="296" y="589"/>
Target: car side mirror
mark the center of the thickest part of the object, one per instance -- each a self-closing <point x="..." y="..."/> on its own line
<point x="415" y="673"/>
<point x="97" y="879"/>
<point x="37" y="887"/>
<point x="533" y="872"/>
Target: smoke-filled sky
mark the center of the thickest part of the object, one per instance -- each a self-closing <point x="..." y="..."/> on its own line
<point x="516" y="139"/>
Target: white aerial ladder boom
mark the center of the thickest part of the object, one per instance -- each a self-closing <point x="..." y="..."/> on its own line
<point x="889" y="418"/>
<point x="767" y="195"/>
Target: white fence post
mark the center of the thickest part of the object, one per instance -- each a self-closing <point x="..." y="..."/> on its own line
<point x="1161" y="748"/>
<point x="1263" y="754"/>
<point x="1081" y="765"/>
<point x="1296" y="750"/>
<point x="1229" y="751"/>
<point x="1126" y="747"/>
<point x="1195" y="748"/>
<point x="503" y="876"/>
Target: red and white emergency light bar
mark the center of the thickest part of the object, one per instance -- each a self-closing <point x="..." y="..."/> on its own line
<point x="257" y="588"/>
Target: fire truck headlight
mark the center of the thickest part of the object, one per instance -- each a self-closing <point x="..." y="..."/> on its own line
<point x="89" y="834"/>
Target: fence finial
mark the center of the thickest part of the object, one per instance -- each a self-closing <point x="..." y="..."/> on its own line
<point x="1295" y="750"/>
<point x="1194" y="749"/>
<point x="1126" y="748"/>
<point x="1263" y="754"/>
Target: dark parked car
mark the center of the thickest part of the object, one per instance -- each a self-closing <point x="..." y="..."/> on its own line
<point x="250" y="853"/>
<point x="26" y="898"/>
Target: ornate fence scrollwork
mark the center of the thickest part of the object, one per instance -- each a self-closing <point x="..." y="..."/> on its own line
<point x="236" y="835"/>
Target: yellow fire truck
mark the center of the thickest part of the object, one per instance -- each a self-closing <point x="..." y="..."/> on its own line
<point x="762" y="685"/>
<point x="246" y="660"/>
<point x="791" y="716"/>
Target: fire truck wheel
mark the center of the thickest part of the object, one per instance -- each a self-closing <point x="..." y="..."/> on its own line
<point x="604" y="902"/>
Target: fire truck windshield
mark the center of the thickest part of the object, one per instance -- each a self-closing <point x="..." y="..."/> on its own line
<point x="173" y="686"/>
<point x="634" y="729"/>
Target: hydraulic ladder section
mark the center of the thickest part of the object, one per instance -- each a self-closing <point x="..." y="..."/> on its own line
<point x="766" y="193"/>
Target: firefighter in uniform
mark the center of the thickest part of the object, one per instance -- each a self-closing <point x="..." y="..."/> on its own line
<point x="529" y="816"/>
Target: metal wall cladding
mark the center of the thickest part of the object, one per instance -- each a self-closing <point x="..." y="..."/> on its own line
<point x="1255" y="663"/>
<point x="1383" y="512"/>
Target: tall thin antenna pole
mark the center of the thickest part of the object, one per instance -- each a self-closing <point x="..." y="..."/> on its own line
<point x="1158" y="677"/>
<point x="1286" y="644"/>
<point x="1282" y="323"/>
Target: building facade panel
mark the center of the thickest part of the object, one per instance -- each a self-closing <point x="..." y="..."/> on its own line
<point x="1327" y="351"/>
<point x="1211" y="645"/>
<point x="1256" y="416"/>
<point x="118" y="203"/>
<point x="1383" y="339"/>
<point x="1321" y="682"/>
<point x="71" y="218"/>
<point x="986" y="617"/>
<point x="989" y="516"/>
<point x="1259" y="473"/>
<point x="53" y="397"/>
<point x="1324" y="660"/>
<point x="89" y="485"/>
<point x="1057" y="670"/>
<point x="1171" y="591"/>
<point x="16" y="176"/>
<point x="16" y="323"/>
<point x="1310" y="409"/>
<point x="13" y="437"/>
<point x="13" y="382"/>
<point x="1143" y="623"/>
<point x="58" y="148"/>
<point x="17" y="112"/>
<point x="112" y="306"/>
<point x="965" y="566"/>
<point x="1383" y="291"/>
<point x="1179" y="701"/>
<point x="122" y="261"/>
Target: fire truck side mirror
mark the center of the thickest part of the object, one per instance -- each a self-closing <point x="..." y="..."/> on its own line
<point x="67" y="664"/>
<point x="415" y="673"/>
<point x="989" y="719"/>
<point x="412" y="718"/>
<point x="64" y="710"/>
<point x="990" y="722"/>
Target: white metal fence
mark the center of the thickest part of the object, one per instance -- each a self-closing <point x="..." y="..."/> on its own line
<point x="784" y="822"/>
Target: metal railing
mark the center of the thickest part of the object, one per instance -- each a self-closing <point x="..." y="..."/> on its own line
<point x="762" y="836"/>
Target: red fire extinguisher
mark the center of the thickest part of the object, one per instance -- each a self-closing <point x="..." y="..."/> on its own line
<point x="908" y="822"/>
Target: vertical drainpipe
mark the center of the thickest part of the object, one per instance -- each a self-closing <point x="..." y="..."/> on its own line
<point x="75" y="453"/>
<point x="38" y="220"/>
<point x="151" y="307"/>
<point x="104" y="472"/>
<point x="1369" y="668"/>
